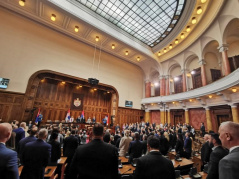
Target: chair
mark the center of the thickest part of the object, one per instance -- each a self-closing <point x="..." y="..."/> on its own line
<point x="63" y="170"/>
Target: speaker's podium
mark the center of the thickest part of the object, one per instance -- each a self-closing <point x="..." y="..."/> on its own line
<point x="93" y="81"/>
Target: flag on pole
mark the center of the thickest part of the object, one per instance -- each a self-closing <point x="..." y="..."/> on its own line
<point x="68" y="115"/>
<point x="107" y="119"/>
<point x="37" y="118"/>
<point x="82" y="115"/>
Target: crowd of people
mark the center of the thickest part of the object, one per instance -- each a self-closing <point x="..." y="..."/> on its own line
<point x="94" y="153"/>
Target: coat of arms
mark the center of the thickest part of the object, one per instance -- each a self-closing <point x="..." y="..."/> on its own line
<point x="77" y="102"/>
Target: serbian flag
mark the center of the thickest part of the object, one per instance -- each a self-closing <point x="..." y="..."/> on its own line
<point x="82" y="115"/>
<point x="107" y="119"/>
<point x="37" y="118"/>
<point x="68" y="115"/>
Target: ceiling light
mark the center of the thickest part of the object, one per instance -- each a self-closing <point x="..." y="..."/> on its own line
<point x="188" y="75"/>
<point x="173" y="102"/>
<point x="156" y="84"/>
<point x="203" y="1"/>
<point x="80" y="86"/>
<point x="138" y="59"/>
<point x="22" y="2"/>
<point x="176" y="41"/>
<point x="152" y="104"/>
<point x="188" y="29"/>
<point x="190" y="100"/>
<point x="108" y="92"/>
<point x="234" y="90"/>
<point x="126" y="53"/>
<point x="170" y="46"/>
<point x="95" y="89"/>
<point x="43" y="80"/>
<point x="210" y="96"/>
<point x="159" y="53"/>
<point x="199" y="10"/>
<point x="53" y="17"/>
<point x="97" y="38"/>
<point x="182" y="36"/>
<point x="113" y="46"/>
<point x="76" y="28"/>
<point x="194" y="20"/>
<point x="171" y="80"/>
<point x="176" y="78"/>
<point x="193" y="72"/>
<point x="63" y="82"/>
<point x="165" y="50"/>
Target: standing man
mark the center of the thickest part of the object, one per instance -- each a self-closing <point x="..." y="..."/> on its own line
<point x="20" y="133"/>
<point x="95" y="160"/>
<point x="187" y="146"/>
<point x="8" y="157"/>
<point x="229" y="135"/>
<point x="218" y="152"/>
<point x="154" y="165"/>
<point x="35" y="157"/>
<point x="202" y="129"/>
<point x="205" y="151"/>
<point x="135" y="148"/>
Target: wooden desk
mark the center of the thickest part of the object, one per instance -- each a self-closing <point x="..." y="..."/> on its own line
<point x="204" y="175"/>
<point x="124" y="160"/>
<point x="171" y="155"/>
<point x="50" y="175"/>
<point x="62" y="161"/>
<point x="61" y="167"/>
<point x="197" y="162"/>
<point x="185" y="162"/>
<point x="127" y="169"/>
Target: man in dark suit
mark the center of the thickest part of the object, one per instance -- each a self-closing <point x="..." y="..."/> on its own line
<point x="205" y="150"/>
<point x="154" y="165"/>
<point x="95" y="160"/>
<point x="187" y="146"/>
<point x="202" y="129"/>
<point x="20" y="133"/>
<point x="135" y="148"/>
<point x="8" y="157"/>
<point x="35" y="157"/>
<point x="26" y="140"/>
<point x="218" y="152"/>
<point x="229" y="135"/>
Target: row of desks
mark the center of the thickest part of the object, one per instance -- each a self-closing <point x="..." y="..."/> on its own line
<point x="50" y="175"/>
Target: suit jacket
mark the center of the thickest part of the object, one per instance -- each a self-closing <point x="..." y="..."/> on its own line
<point x="35" y="158"/>
<point x="188" y="145"/>
<point x="144" y="146"/>
<point x="216" y="155"/>
<point x="124" y="145"/>
<point x="205" y="152"/>
<point x="135" y="149"/>
<point x="8" y="163"/>
<point x="154" y="165"/>
<point x="69" y="147"/>
<point x="55" y="152"/>
<point x="95" y="160"/>
<point x="20" y="134"/>
<point x="22" y="144"/>
<point x="228" y="166"/>
<point x="179" y="148"/>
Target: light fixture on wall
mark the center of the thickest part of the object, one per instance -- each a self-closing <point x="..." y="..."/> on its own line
<point x="165" y="50"/>
<point x="138" y="59"/>
<point x="159" y="53"/>
<point x="76" y="28"/>
<point x="190" y="100"/>
<point x="193" y="72"/>
<point x="108" y="92"/>
<point x="188" y="75"/>
<point x="194" y="20"/>
<point x="203" y="1"/>
<point x="176" y="78"/>
<point x="182" y="36"/>
<point x="63" y="82"/>
<point x="188" y="29"/>
<point x="113" y="46"/>
<point x="43" y="80"/>
<point x="173" y="102"/>
<point x="210" y="96"/>
<point x="97" y="38"/>
<point x="53" y="17"/>
<point x="126" y="53"/>
<point x="234" y="90"/>
<point x="199" y="10"/>
<point x="170" y="46"/>
<point x="176" y="41"/>
<point x="22" y="2"/>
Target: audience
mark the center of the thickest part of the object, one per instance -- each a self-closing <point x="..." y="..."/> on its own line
<point x="95" y="160"/>
<point x="154" y="165"/>
<point x="35" y="157"/>
<point x="229" y="136"/>
<point x="8" y="157"/>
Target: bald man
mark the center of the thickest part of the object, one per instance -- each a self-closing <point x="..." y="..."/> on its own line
<point x="205" y="150"/>
<point x="8" y="157"/>
<point x="229" y="136"/>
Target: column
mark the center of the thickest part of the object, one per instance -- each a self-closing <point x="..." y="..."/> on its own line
<point x="184" y="80"/>
<point x="162" y="86"/>
<point x="147" y="89"/>
<point x="225" y="62"/>
<point x="147" y="116"/>
<point x="167" y="84"/>
<point x="162" y="116"/>
<point x="186" y="116"/>
<point x="169" y="117"/>
<point x="203" y="72"/>
<point x="208" y="119"/>
<point x="234" y="113"/>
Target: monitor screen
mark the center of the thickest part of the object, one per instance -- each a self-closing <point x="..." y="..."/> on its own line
<point x="129" y="104"/>
<point x="3" y="83"/>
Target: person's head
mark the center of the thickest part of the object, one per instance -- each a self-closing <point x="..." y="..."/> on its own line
<point x="180" y="137"/>
<point x="33" y="131"/>
<point x="73" y="132"/>
<point x="126" y="133"/>
<point x="187" y="134"/>
<point x="43" y="134"/>
<point x="206" y="137"/>
<point x="54" y="136"/>
<point x="153" y="143"/>
<point x="136" y="136"/>
<point x="106" y="137"/>
<point x="229" y="134"/>
<point x="98" y="130"/>
<point x="5" y="132"/>
<point x="23" y="125"/>
<point x="214" y="140"/>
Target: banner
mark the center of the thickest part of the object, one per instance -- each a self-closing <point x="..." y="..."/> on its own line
<point x="77" y="101"/>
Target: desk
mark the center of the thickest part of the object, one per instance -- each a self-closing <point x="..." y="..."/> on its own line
<point x="171" y="155"/>
<point x="197" y="162"/>
<point x="50" y="175"/>
<point x="124" y="160"/>
<point x="185" y="162"/>
<point x="127" y="169"/>
<point x="62" y="161"/>
<point x="61" y="167"/>
<point x="204" y="175"/>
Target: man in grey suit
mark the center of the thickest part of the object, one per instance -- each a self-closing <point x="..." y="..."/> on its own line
<point x="229" y="135"/>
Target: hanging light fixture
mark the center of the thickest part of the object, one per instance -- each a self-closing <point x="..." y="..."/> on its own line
<point x="113" y="46"/>
<point x="199" y="10"/>
<point x="203" y="1"/>
<point x="176" y="41"/>
<point x="159" y="53"/>
<point x="126" y="53"/>
<point x="76" y="28"/>
<point x="165" y="50"/>
<point x="97" y="38"/>
<point x="53" y="17"/>
<point x="188" y="29"/>
<point x="182" y="36"/>
<point x="138" y="59"/>
<point x="170" y="46"/>
<point x="22" y="2"/>
<point x="194" y="20"/>
<point x="234" y="90"/>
